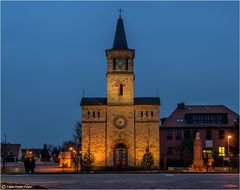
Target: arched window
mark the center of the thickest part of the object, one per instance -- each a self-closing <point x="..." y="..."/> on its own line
<point x="120" y="90"/>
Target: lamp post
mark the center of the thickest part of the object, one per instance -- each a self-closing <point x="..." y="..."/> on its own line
<point x="229" y="137"/>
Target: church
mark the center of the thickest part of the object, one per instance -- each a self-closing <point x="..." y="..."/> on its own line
<point x="120" y="127"/>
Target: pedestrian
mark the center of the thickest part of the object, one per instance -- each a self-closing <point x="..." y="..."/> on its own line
<point x="32" y="165"/>
<point x="210" y="163"/>
<point x="27" y="165"/>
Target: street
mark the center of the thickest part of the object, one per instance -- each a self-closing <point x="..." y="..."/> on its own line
<point x="130" y="181"/>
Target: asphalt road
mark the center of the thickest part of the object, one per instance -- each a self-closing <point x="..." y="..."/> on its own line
<point x="129" y="181"/>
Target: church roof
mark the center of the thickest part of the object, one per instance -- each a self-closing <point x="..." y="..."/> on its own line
<point x="94" y="101"/>
<point x="137" y="101"/>
<point x="120" y="41"/>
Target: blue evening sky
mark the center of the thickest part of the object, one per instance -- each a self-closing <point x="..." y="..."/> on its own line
<point x="52" y="51"/>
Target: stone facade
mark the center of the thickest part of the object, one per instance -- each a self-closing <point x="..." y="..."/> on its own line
<point x="101" y="136"/>
<point x="120" y="127"/>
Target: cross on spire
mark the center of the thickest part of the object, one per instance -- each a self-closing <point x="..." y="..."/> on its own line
<point x="120" y="14"/>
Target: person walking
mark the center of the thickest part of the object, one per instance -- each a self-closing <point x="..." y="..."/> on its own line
<point x="210" y="163"/>
<point x="27" y="165"/>
<point x="32" y="164"/>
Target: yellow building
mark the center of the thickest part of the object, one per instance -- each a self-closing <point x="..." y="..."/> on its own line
<point x="119" y="128"/>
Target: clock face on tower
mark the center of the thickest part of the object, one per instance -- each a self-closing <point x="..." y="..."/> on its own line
<point x="121" y="63"/>
<point x="120" y="122"/>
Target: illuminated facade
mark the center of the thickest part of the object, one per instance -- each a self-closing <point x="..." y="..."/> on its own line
<point x="119" y="128"/>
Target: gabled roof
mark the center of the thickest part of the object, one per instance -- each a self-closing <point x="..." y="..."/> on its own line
<point x="11" y="148"/>
<point x="183" y="110"/>
<point x="120" y="41"/>
<point x="137" y="101"/>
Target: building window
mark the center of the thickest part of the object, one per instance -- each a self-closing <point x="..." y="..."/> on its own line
<point x="94" y="114"/>
<point x="169" y="135"/>
<point x="179" y="120"/>
<point x="221" y="151"/>
<point x="221" y="134"/>
<point x="187" y="134"/>
<point x="208" y="134"/>
<point x="146" y="113"/>
<point x="206" y="153"/>
<point x="120" y="90"/>
<point x="88" y="113"/>
<point x="114" y="64"/>
<point x="152" y="113"/>
<point x="98" y="114"/>
<point x="141" y="113"/>
<point x="178" y="135"/>
<point x="126" y="68"/>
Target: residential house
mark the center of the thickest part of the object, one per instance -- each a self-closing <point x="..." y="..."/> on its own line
<point x="218" y="127"/>
<point x="11" y="152"/>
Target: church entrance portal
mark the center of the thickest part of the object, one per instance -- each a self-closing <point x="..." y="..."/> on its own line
<point x="120" y="156"/>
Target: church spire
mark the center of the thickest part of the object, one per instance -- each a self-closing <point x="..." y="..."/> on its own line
<point x="120" y="41"/>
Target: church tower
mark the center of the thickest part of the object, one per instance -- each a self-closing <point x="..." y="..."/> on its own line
<point x="119" y="128"/>
<point x="120" y="72"/>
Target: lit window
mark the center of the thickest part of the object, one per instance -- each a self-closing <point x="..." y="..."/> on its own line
<point x="179" y="120"/>
<point x="221" y="151"/>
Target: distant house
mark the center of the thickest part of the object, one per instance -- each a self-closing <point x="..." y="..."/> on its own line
<point x="214" y="122"/>
<point x="11" y="152"/>
<point x="34" y="152"/>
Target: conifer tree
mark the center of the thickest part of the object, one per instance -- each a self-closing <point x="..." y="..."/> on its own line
<point x="147" y="159"/>
<point x="87" y="160"/>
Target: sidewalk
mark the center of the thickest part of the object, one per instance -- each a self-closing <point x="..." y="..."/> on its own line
<point x="53" y="168"/>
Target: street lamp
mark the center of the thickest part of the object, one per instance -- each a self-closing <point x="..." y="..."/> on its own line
<point x="229" y="137"/>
